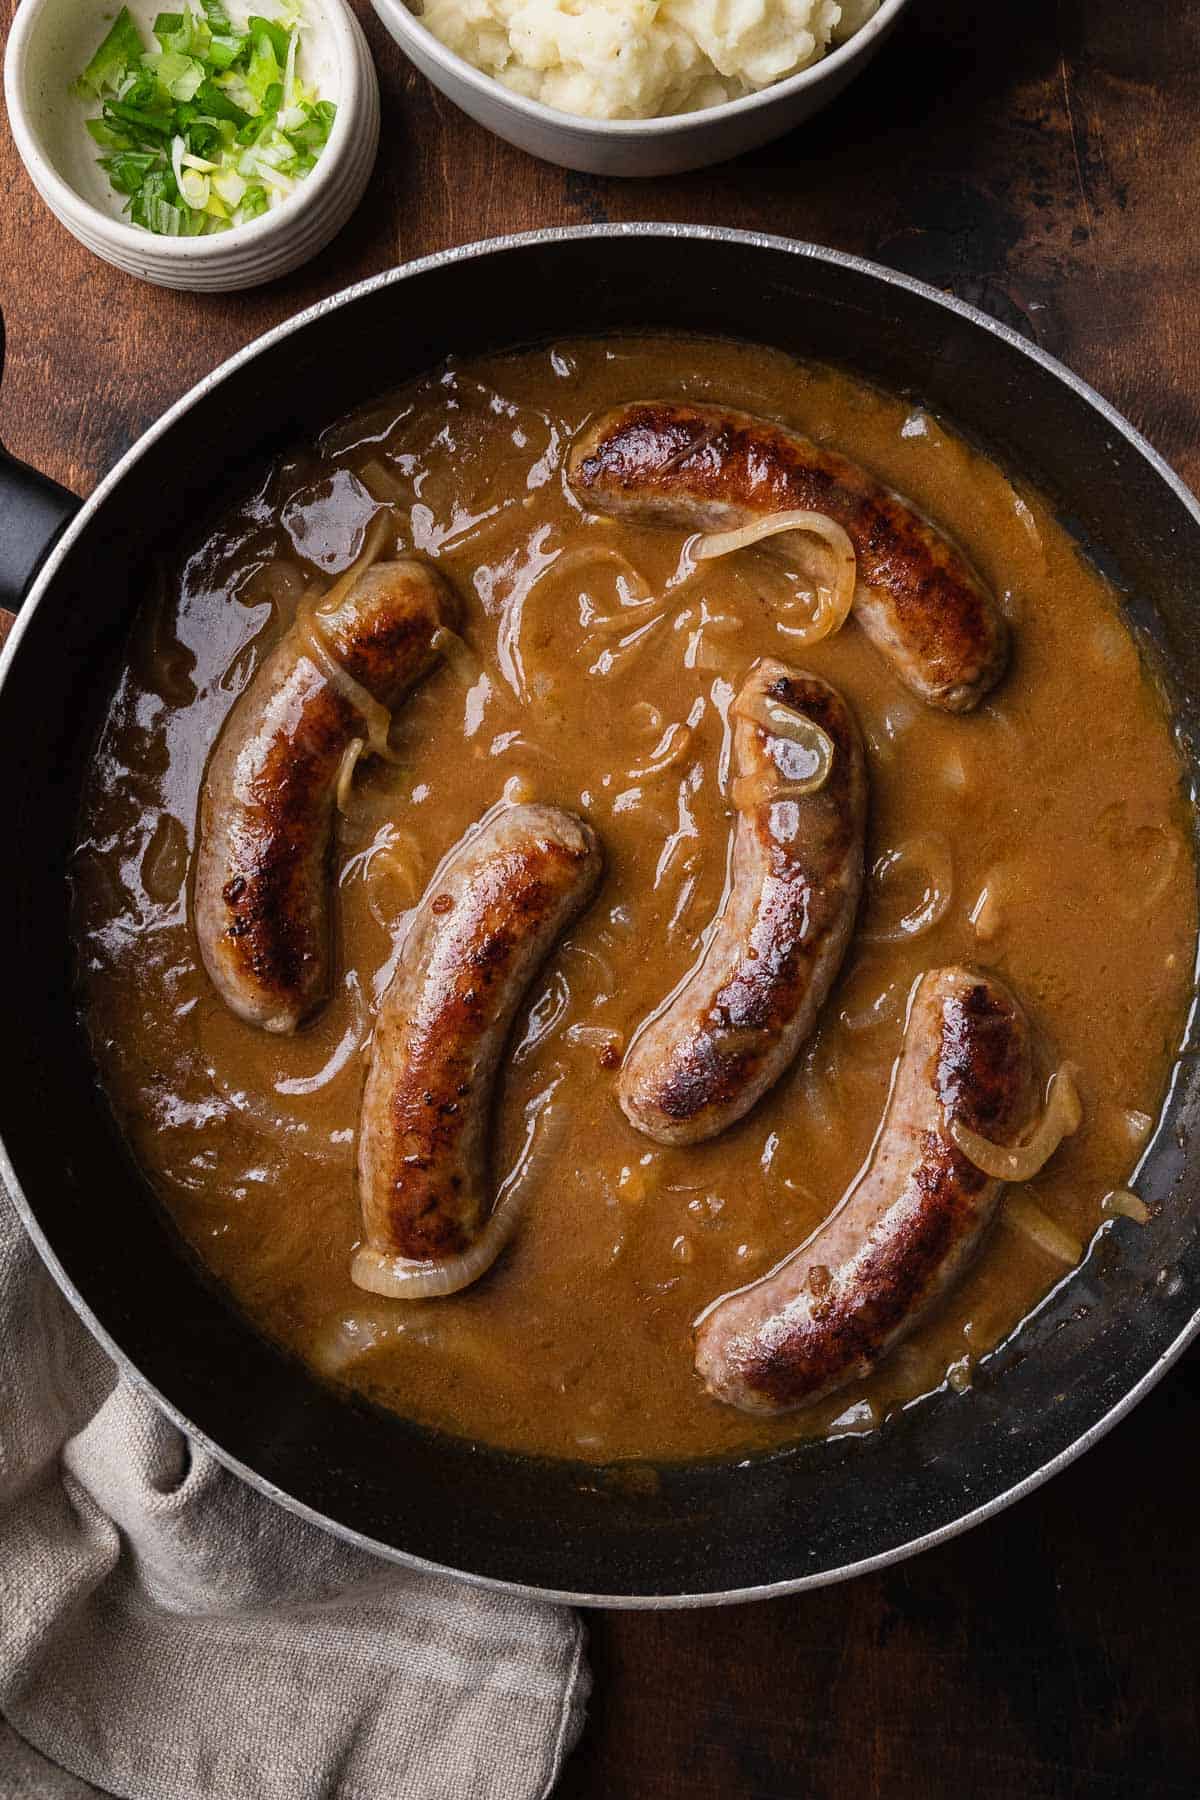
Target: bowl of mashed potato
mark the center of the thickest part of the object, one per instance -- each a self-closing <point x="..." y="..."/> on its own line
<point x="639" y="87"/>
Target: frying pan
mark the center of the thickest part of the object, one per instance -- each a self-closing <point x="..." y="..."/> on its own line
<point x="623" y="1535"/>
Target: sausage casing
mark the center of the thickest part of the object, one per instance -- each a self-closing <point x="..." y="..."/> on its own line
<point x="707" y="468"/>
<point x="738" y="1021"/>
<point x="905" y="1232"/>
<point x="485" y="924"/>
<point x="262" y="892"/>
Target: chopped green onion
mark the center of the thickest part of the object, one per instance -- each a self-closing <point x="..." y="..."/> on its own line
<point x="107" y="136"/>
<point x="128" y="169"/>
<point x="223" y="52"/>
<point x="278" y="35"/>
<point x="211" y="127"/>
<point x="120" y="49"/>
<point x="215" y="100"/>
<point x="254" y="203"/>
<point x="229" y="186"/>
<point x="289" y="68"/>
<point x="181" y="76"/>
<point x="139" y="118"/>
<point x="183" y="34"/>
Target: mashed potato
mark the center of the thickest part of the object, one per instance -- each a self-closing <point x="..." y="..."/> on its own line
<point x="641" y="59"/>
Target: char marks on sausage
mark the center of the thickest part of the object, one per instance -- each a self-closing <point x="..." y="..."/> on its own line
<point x="485" y="925"/>
<point x="829" y="1313"/>
<point x="708" y="468"/>
<point x="739" y="1020"/>
<point x="262" y="896"/>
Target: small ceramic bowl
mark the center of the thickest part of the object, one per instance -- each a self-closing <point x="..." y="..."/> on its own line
<point x="52" y="40"/>
<point x="636" y="146"/>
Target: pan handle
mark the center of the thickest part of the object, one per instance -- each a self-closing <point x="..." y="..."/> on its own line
<point x="33" y="513"/>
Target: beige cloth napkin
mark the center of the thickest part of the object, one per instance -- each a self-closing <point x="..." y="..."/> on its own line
<point x="168" y="1634"/>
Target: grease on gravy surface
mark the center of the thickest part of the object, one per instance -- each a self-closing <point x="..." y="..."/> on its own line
<point x="1046" y="835"/>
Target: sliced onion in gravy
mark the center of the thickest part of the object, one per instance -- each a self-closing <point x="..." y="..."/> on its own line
<point x="749" y="791"/>
<point x="1024" y="1215"/>
<point x="1060" y="1119"/>
<point x="634" y="593"/>
<point x="458" y="654"/>
<point x="287" y="1112"/>
<point x="349" y="763"/>
<point x="403" y="1279"/>
<point x="375" y="716"/>
<point x="882" y="1009"/>
<point x="838" y="577"/>
<point x="931" y="853"/>
<point x="1123" y="1203"/>
<point x="802" y="734"/>
<point x="670" y="749"/>
<point x="379" y="533"/>
<point x="632" y="586"/>
<point x="647" y="717"/>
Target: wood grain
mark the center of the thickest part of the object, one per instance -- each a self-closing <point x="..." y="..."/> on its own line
<point x="1043" y="161"/>
<point x="1044" y="1656"/>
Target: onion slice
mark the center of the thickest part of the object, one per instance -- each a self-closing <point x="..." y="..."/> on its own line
<point x="1061" y="1118"/>
<point x="349" y="762"/>
<point x="401" y="1278"/>
<point x="278" y="1113"/>
<point x="749" y="791"/>
<point x="670" y="749"/>
<point x="458" y="654"/>
<point x="375" y="540"/>
<point x="839" y="576"/>
<point x="1123" y="1203"/>
<point x="404" y="1278"/>
<point x="932" y="851"/>
<point x="802" y="733"/>
<point x="635" y="595"/>
<point x="881" y="1010"/>
<point x="375" y="716"/>
<point x="1024" y="1215"/>
<point x="634" y="590"/>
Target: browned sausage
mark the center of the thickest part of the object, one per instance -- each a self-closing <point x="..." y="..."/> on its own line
<point x="706" y="468"/>
<point x="487" y="921"/>
<point x="262" y="897"/>
<point x="739" y="1020"/>
<point x="832" y="1310"/>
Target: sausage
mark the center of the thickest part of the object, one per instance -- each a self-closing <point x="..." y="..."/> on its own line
<point x="834" y="1308"/>
<point x="738" y="1021"/>
<point x="484" y="926"/>
<point x="707" y="468"/>
<point x="262" y="892"/>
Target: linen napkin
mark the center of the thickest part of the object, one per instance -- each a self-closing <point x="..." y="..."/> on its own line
<point x="166" y="1633"/>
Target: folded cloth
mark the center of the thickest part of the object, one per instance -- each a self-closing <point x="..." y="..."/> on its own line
<point x="167" y="1633"/>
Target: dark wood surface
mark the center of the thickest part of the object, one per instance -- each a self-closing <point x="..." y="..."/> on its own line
<point x="1042" y="160"/>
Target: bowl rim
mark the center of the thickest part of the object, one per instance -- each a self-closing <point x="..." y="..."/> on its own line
<point x="68" y="204"/>
<point x="671" y="125"/>
<point x="144" y="445"/>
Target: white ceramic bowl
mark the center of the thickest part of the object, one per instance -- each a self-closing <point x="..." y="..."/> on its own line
<point x="52" y="40"/>
<point x="636" y="146"/>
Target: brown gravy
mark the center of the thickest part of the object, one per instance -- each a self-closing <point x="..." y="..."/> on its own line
<point x="1054" y="821"/>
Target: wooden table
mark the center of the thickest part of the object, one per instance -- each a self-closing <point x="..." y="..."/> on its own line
<point x="1043" y="161"/>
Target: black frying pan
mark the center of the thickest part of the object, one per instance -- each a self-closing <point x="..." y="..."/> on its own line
<point x="678" y="1534"/>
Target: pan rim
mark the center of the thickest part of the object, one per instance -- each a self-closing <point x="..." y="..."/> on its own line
<point x="44" y="581"/>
